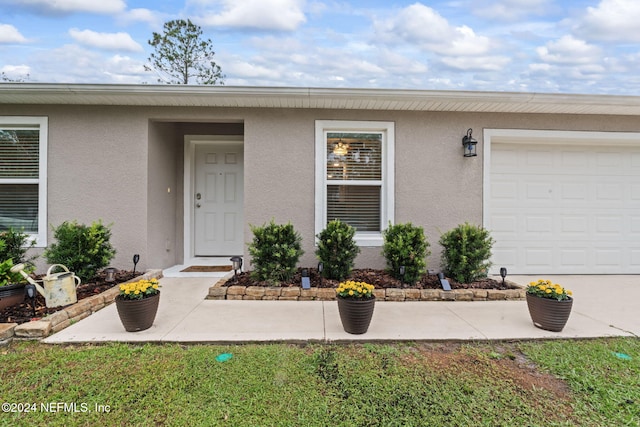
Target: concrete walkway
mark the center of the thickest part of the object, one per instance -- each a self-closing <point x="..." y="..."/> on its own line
<point x="604" y="306"/>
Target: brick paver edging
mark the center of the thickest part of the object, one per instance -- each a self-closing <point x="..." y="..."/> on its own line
<point x="296" y="293"/>
<point x="61" y="319"/>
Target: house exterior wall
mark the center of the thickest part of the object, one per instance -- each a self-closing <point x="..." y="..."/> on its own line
<point x="97" y="169"/>
<point x="117" y="164"/>
<point x="162" y="201"/>
<point x="435" y="186"/>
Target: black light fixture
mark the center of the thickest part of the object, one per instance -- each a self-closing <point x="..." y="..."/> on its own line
<point x="402" y="271"/>
<point x="503" y="274"/>
<point x="110" y="274"/>
<point x="444" y="282"/>
<point x="469" y="144"/>
<point x="306" y="280"/>
<point x="320" y="269"/>
<point x="30" y="289"/>
<point x="136" y="258"/>
<point x="236" y="264"/>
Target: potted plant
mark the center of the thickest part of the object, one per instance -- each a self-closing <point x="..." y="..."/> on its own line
<point x="137" y="304"/>
<point x="12" y="286"/>
<point x="549" y="305"/>
<point x="355" y="305"/>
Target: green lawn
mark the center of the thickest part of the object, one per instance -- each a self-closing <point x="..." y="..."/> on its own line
<point x="409" y="384"/>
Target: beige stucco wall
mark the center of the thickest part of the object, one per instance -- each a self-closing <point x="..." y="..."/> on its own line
<point x="117" y="164"/>
<point x="97" y="170"/>
<point x="435" y="186"/>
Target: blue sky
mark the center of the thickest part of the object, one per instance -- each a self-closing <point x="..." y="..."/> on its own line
<point x="566" y="46"/>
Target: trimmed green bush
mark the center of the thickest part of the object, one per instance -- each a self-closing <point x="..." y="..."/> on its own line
<point x="6" y="276"/>
<point x="337" y="250"/>
<point x="81" y="248"/>
<point x="275" y="251"/>
<point x="467" y="249"/>
<point x="14" y="245"/>
<point x="405" y="245"/>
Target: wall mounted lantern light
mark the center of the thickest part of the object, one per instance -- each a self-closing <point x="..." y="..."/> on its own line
<point x="469" y="144"/>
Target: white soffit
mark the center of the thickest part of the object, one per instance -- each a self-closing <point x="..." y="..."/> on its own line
<point x="316" y="98"/>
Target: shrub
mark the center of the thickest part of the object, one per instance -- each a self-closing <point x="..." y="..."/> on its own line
<point x="14" y="245"/>
<point x="81" y="248"/>
<point x="337" y="250"/>
<point x="405" y="245"/>
<point x="467" y="249"/>
<point x="6" y="276"/>
<point x="275" y="252"/>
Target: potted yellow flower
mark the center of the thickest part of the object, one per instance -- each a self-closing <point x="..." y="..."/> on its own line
<point x="137" y="304"/>
<point x="355" y="305"/>
<point x="549" y="305"/>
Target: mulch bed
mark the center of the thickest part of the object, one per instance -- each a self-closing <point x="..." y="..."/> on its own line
<point x="378" y="278"/>
<point x="22" y="313"/>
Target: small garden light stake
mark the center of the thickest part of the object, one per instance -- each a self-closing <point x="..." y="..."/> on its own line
<point x="503" y="274"/>
<point x="136" y="258"/>
<point x="320" y="268"/>
<point x="31" y="293"/>
<point x="236" y="264"/>
<point x="402" y="272"/>
<point x="110" y="274"/>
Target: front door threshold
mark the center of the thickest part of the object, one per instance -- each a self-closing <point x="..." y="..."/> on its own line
<point x="177" y="270"/>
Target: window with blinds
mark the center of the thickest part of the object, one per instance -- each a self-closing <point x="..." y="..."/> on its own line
<point x="355" y="176"/>
<point x="354" y="179"/>
<point x="20" y="175"/>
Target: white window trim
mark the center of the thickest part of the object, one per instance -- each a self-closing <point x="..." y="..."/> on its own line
<point x="387" y="199"/>
<point x="42" y="123"/>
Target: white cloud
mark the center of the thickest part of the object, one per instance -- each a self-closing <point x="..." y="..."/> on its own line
<point x="10" y="34"/>
<point x="16" y="71"/>
<point x="81" y="65"/>
<point x="480" y="63"/>
<point x="421" y="25"/>
<point x="457" y="47"/>
<point x="570" y="51"/>
<point x="512" y="10"/>
<point x="611" y="20"/>
<point x="107" y="41"/>
<point x="71" y="6"/>
<point x="153" y="18"/>
<point x="281" y="15"/>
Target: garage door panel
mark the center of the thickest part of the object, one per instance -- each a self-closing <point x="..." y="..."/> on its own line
<point x="574" y="225"/>
<point x="565" y="209"/>
<point x="574" y="258"/>
<point x="608" y="226"/>
<point x="539" y="191"/>
<point x="573" y="191"/>
<point x="538" y="257"/>
<point x="608" y="258"/>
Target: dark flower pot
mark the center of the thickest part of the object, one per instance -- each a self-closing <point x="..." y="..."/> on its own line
<point x="549" y="314"/>
<point x="137" y="315"/>
<point x="356" y="314"/>
<point x="11" y="295"/>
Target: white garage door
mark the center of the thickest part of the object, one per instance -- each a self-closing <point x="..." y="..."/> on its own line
<point x="565" y="209"/>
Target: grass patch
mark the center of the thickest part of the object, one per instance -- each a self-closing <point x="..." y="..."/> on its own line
<point x="318" y="385"/>
<point x="607" y="382"/>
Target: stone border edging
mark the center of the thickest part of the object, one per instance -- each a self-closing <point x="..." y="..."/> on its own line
<point x="296" y="293"/>
<point x="59" y="320"/>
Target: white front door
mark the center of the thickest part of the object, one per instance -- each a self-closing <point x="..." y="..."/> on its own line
<point x="218" y="200"/>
